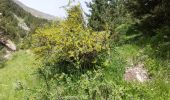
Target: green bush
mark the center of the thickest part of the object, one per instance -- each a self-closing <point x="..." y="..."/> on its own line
<point x="69" y="44"/>
<point x="89" y="86"/>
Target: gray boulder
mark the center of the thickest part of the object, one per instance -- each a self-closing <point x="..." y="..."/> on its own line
<point x="136" y="73"/>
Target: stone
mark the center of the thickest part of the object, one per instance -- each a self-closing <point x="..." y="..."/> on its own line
<point x="11" y="45"/>
<point x="21" y="23"/>
<point x="136" y="73"/>
<point x="24" y="26"/>
<point x="8" y="44"/>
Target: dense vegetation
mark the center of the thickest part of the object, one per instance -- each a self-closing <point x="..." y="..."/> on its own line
<point x="9" y="23"/>
<point x="71" y="60"/>
<point x="12" y="20"/>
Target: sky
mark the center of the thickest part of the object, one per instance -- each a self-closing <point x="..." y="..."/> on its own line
<point x="53" y="7"/>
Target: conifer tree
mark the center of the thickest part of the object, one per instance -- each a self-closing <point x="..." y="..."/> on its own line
<point x="106" y="14"/>
<point x="153" y="14"/>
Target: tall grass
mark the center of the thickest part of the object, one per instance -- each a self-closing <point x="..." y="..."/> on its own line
<point x="16" y="75"/>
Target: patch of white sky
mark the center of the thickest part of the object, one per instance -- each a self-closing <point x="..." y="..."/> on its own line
<point x="54" y="7"/>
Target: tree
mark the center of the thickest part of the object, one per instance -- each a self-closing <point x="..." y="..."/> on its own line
<point x="75" y="18"/>
<point x="106" y="14"/>
<point x="153" y="14"/>
<point x="98" y="14"/>
<point x="154" y="22"/>
<point x="9" y="23"/>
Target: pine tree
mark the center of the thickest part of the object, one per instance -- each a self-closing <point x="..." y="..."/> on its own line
<point x="98" y="14"/>
<point x="153" y="14"/>
<point x="106" y="14"/>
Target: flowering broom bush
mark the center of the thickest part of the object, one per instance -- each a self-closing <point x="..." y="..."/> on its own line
<point x="69" y="41"/>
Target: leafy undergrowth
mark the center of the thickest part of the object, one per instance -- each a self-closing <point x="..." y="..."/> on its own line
<point x="157" y="88"/>
<point x="18" y="79"/>
<point x="16" y="75"/>
<point x="108" y="82"/>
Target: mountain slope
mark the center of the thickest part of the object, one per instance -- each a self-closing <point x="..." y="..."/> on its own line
<point x="10" y="24"/>
<point x="34" y="12"/>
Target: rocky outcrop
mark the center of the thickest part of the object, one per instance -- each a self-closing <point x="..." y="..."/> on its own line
<point x="24" y="26"/>
<point x="21" y="23"/>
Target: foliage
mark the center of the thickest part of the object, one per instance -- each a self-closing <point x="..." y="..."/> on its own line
<point x="70" y="42"/>
<point x="107" y="14"/>
<point x="89" y="86"/>
<point x="9" y="24"/>
<point x="17" y="76"/>
<point x="77" y="63"/>
<point x="153" y="14"/>
<point x="102" y="83"/>
<point x="107" y="83"/>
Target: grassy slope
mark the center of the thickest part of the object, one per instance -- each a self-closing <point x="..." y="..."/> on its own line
<point x="21" y="68"/>
<point x="158" y="87"/>
<point x="17" y="73"/>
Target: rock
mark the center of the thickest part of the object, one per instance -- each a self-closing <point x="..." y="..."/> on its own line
<point x="136" y="73"/>
<point x="11" y="45"/>
<point x="24" y="26"/>
<point x="21" y="23"/>
<point x="8" y="44"/>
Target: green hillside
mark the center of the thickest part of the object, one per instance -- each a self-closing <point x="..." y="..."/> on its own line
<point x="9" y="23"/>
<point x="121" y="53"/>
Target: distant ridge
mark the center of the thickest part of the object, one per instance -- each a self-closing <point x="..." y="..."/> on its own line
<point x="34" y="12"/>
